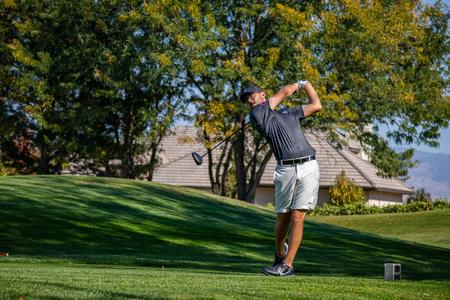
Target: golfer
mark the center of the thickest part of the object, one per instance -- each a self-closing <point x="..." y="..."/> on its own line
<point x="296" y="175"/>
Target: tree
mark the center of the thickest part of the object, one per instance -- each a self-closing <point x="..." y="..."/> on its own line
<point x="94" y="79"/>
<point x="383" y="62"/>
<point x="139" y="75"/>
<point x="372" y="63"/>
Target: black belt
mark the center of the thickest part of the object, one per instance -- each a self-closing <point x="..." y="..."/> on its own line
<point x="300" y="160"/>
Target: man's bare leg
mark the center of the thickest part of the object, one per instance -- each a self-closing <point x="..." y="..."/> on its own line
<point x="297" y="219"/>
<point x="281" y="229"/>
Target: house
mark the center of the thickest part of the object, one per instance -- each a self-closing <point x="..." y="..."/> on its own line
<point x="178" y="168"/>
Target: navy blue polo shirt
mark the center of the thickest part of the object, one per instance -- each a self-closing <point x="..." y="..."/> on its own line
<point x="282" y="130"/>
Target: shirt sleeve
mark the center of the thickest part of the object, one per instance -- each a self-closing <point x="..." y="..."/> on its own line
<point x="297" y="112"/>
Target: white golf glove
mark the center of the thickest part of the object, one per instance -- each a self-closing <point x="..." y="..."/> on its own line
<point x="301" y="84"/>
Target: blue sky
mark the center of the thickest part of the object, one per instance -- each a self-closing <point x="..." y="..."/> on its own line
<point x="431" y="1"/>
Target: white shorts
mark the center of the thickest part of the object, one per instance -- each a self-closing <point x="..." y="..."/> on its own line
<point x="296" y="186"/>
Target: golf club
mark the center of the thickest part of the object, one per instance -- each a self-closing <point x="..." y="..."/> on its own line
<point x="199" y="158"/>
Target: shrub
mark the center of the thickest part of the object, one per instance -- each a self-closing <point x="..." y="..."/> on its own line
<point x="362" y="209"/>
<point x="392" y="208"/>
<point x="5" y="171"/>
<point x="420" y="195"/>
<point x="346" y="191"/>
<point x="440" y="204"/>
<point x="325" y="210"/>
<point x="270" y="206"/>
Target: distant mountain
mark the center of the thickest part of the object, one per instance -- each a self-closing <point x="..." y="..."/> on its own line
<point x="433" y="173"/>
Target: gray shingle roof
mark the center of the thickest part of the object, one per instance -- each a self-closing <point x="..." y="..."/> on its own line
<point x="178" y="167"/>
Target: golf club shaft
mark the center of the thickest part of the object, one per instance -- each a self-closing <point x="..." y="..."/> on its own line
<point x="227" y="138"/>
<point x="246" y="124"/>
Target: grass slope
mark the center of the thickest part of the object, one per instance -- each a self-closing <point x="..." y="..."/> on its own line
<point x="85" y="237"/>
<point x="428" y="227"/>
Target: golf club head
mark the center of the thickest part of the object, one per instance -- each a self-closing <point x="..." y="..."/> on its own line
<point x="197" y="158"/>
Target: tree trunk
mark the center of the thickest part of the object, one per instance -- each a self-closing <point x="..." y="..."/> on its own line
<point x="44" y="160"/>
<point x="154" y="159"/>
<point x="224" y="176"/>
<point x="128" y="153"/>
<point x="152" y="164"/>
<point x="253" y="185"/>
<point x="239" y="152"/>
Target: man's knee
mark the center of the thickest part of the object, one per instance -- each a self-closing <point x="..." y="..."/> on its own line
<point x="297" y="217"/>
<point x="283" y="218"/>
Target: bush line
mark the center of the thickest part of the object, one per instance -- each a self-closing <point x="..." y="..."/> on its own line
<point x="363" y="209"/>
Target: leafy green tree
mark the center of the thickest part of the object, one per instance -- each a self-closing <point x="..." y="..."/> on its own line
<point x="384" y="63"/>
<point x="94" y="79"/>
<point x="137" y="74"/>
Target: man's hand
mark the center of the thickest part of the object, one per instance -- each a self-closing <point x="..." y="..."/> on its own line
<point x="301" y="84"/>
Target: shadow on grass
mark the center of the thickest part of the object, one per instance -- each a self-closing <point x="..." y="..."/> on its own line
<point x="51" y="286"/>
<point x="105" y="221"/>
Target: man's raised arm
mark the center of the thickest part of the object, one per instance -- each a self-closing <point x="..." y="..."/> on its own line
<point x="314" y="104"/>
<point x="286" y="91"/>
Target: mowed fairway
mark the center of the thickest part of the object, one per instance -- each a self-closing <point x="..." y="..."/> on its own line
<point x="87" y="237"/>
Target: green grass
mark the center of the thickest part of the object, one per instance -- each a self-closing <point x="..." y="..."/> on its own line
<point x="428" y="227"/>
<point x="48" y="281"/>
<point x="85" y="237"/>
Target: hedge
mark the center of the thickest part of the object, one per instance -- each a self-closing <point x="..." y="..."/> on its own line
<point x="362" y="209"/>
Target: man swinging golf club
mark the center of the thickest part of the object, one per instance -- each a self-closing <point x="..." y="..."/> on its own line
<point x="296" y="175"/>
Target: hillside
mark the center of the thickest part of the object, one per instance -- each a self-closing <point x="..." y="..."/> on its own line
<point x="427" y="227"/>
<point x="117" y="221"/>
<point x="91" y="219"/>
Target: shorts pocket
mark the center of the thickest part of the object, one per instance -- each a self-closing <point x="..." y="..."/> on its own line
<point x="276" y="173"/>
